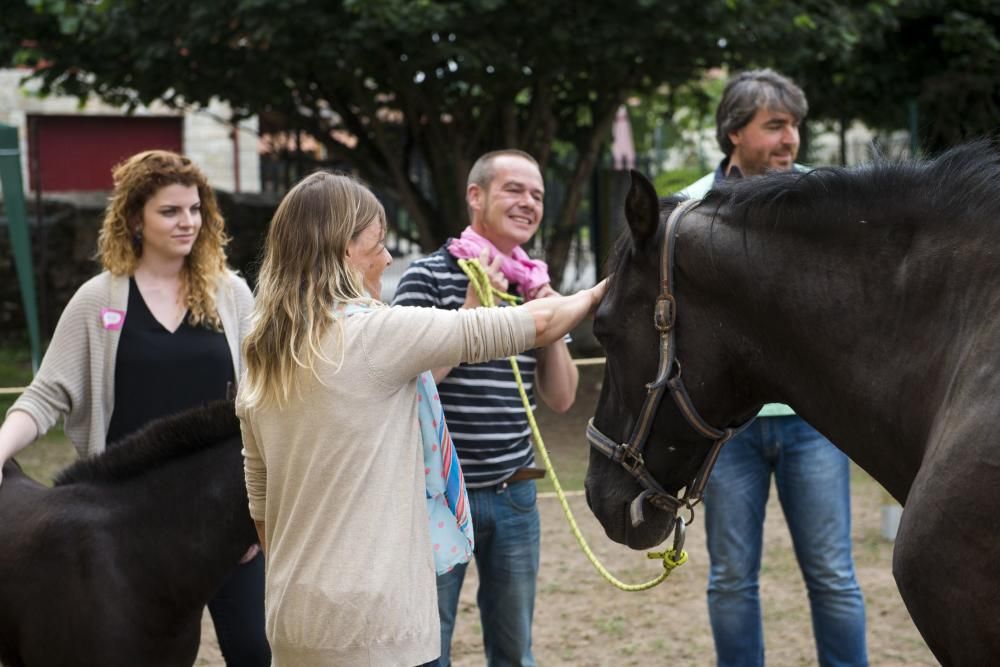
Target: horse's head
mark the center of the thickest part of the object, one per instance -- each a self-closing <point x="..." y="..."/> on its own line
<point x="672" y="450"/>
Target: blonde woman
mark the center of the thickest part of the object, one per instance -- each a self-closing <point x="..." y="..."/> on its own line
<point x="329" y="412"/>
<point x="157" y="332"/>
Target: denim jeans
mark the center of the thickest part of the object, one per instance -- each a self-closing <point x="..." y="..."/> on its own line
<point x="508" y="534"/>
<point x="237" y="610"/>
<point x="813" y="481"/>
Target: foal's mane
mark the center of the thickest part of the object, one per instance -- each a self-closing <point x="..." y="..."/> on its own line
<point x="160" y="441"/>
<point x="962" y="183"/>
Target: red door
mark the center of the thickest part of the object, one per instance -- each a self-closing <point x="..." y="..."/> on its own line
<point x="73" y="153"/>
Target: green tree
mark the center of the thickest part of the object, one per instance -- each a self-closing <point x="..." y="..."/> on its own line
<point x="386" y="83"/>
<point x="677" y="117"/>
<point x="872" y="60"/>
<point x="947" y="56"/>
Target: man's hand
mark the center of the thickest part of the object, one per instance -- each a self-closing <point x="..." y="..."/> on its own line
<point x="597" y="292"/>
<point x="544" y="291"/>
<point x="497" y="279"/>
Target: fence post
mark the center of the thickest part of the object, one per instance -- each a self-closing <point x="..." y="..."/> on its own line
<point x="13" y="192"/>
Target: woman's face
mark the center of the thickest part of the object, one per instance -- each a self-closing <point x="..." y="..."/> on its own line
<point x="171" y="220"/>
<point x="368" y="254"/>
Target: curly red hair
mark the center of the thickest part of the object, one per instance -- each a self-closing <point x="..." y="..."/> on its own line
<point x="136" y="180"/>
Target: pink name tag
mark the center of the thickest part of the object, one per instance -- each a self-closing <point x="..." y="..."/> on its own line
<point x="112" y="319"/>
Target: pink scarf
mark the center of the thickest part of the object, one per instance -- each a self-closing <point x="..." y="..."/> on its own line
<point x="528" y="274"/>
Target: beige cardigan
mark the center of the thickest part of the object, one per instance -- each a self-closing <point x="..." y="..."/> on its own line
<point x="337" y="477"/>
<point x="77" y="376"/>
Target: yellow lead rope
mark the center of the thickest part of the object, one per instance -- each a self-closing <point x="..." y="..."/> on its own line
<point x="486" y="293"/>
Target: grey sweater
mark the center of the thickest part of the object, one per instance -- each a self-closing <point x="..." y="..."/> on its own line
<point x="77" y="376"/>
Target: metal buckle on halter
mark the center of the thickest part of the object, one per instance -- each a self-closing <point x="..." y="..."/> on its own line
<point x="664" y="313"/>
<point x="665" y="503"/>
<point x="630" y="459"/>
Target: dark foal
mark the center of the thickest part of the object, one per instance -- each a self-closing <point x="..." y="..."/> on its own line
<point x="114" y="565"/>
<point x="869" y="301"/>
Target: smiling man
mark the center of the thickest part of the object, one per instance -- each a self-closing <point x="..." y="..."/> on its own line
<point x="505" y="196"/>
<point x="757" y="125"/>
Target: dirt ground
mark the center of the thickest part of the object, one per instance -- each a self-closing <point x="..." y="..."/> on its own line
<point x="582" y="621"/>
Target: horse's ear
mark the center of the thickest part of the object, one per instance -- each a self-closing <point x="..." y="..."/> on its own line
<point x="642" y="207"/>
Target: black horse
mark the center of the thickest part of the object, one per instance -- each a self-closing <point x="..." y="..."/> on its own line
<point x="114" y="565"/>
<point x="869" y="301"/>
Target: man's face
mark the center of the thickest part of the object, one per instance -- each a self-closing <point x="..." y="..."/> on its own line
<point x="510" y="209"/>
<point x="770" y="141"/>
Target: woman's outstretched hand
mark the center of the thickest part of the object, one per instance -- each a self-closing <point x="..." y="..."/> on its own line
<point x="597" y="292"/>
<point x="16" y="433"/>
<point x="555" y="316"/>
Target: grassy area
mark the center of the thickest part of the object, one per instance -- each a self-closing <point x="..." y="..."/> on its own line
<point x="46" y="457"/>
<point x="669" y="182"/>
<point x="15" y="370"/>
<point x="570" y="464"/>
<point x="53" y="451"/>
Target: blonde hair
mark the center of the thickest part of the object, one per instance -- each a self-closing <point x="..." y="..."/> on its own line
<point x="119" y="245"/>
<point x="305" y="274"/>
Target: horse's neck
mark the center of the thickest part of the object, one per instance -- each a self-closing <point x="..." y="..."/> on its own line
<point x="186" y="520"/>
<point x="842" y="326"/>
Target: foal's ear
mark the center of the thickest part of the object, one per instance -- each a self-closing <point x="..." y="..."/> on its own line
<point x="642" y="207"/>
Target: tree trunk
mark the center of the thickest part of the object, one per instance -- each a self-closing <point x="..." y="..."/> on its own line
<point x="557" y="252"/>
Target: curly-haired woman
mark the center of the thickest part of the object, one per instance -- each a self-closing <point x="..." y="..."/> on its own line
<point x="157" y="332"/>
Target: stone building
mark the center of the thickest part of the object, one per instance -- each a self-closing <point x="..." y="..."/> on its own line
<point x="68" y="147"/>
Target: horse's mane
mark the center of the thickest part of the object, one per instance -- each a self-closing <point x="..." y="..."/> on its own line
<point x="156" y="443"/>
<point x="962" y="183"/>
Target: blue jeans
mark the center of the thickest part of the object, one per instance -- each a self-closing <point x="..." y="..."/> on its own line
<point x="813" y="481"/>
<point x="508" y="537"/>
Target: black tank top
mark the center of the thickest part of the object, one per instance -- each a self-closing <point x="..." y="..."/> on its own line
<point x="158" y="373"/>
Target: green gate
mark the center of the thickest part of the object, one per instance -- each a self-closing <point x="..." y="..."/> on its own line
<point x="13" y="194"/>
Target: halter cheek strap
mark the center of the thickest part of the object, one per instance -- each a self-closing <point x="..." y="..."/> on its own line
<point x="668" y="378"/>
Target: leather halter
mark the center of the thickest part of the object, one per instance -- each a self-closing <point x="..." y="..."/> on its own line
<point x="668" y="377"/>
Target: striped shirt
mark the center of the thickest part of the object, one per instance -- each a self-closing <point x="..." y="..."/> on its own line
<point x="481" y="403"/>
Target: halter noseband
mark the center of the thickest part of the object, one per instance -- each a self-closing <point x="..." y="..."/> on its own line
<point x="668" y="377"/>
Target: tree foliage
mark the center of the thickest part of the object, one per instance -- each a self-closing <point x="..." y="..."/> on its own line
<point x="385" y="84"/>
<point x="872" y="61"/>
<point x="410" y="92"/>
